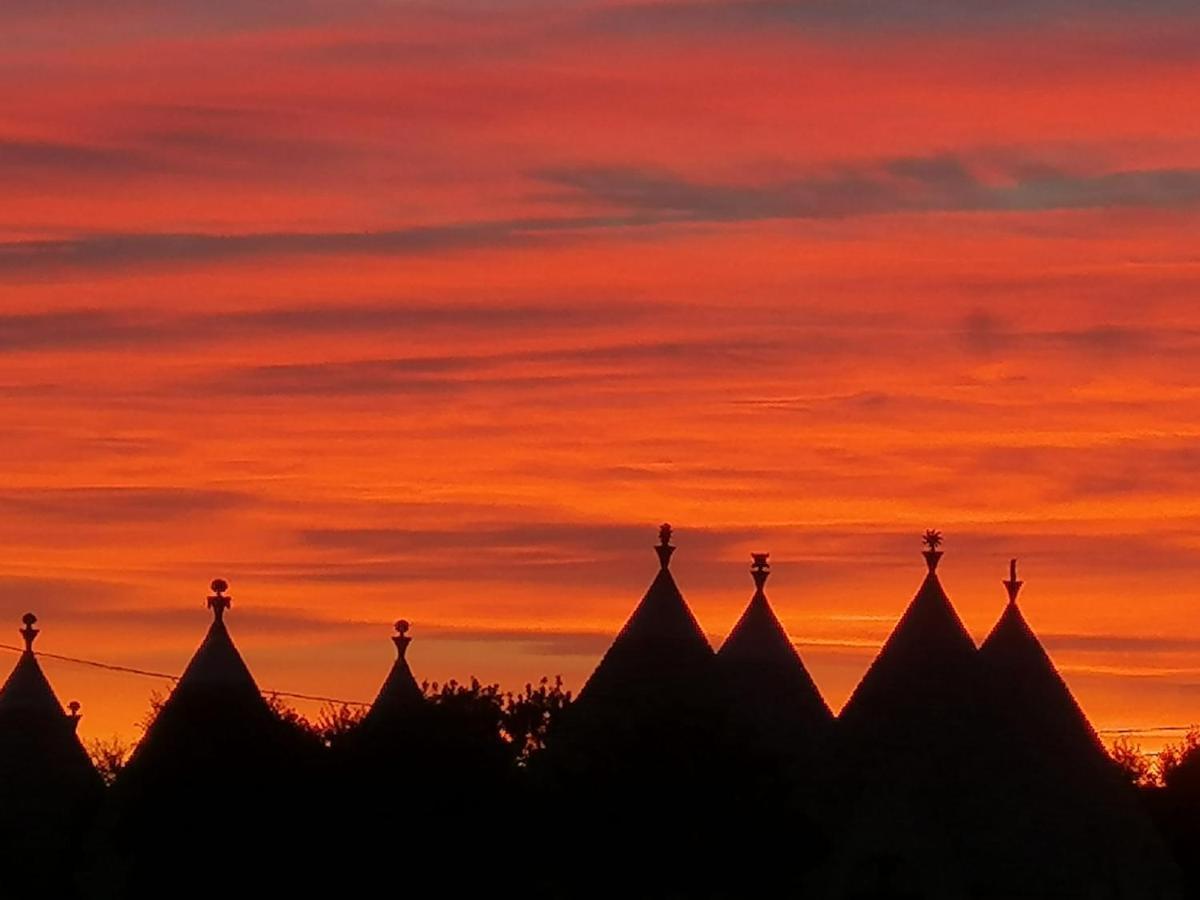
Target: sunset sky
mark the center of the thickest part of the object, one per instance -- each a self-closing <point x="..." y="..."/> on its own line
<point x="438" y="309"/>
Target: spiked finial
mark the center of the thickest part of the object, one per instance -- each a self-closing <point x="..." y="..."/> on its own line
<point x="401" y="638"/>
<point x="932" y="539"/>
<point x="29" y="632"/>
<point x="760" y="569"/>
<point x="1013" y="585"/>
<point x="218" y="602"/>
<point x="664" y="548"/>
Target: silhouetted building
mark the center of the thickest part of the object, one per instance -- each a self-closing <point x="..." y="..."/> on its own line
<point x="641" y="754"/>
<point x="656" y="656"/>
<point x="218" y="784"/>
<point x="399" y="696"/>
<point x="49" y="790"/>
<point x="919" y="766"/>
<point x="774" y="795"/>
<point x="1087" y="833"/>
<point x="772" y="693"/>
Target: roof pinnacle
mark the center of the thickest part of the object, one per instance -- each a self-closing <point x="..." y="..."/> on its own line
<point x="401" y="638"/>
<point x="29" y="632"/>
<point x="1013" y="585"/>
<point x="760" y="569"/>
<point x="218" y="602"/>
<point x="932" y="539"/>
<point x="664" y="548"/>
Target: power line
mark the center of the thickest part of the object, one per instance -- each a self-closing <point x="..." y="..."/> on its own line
<point x="146" y="673"/>
<point x="1147" y="730"/>
<point x="97" y="665"/>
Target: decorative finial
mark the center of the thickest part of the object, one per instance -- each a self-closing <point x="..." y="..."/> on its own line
<point x="401" y="638"/>
<point x="664" y="548"/>
<point x="1013" y="585"/>
<point x="932" y="539"/>
<point x="218" y="602"/>
<point x="760" y="569"/>
<point x="74" y="716"/>
<point x="29" y="632"/>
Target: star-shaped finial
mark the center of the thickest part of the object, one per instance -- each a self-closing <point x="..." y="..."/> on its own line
<point x="932" y="538"/>
<point x="664" y="548"/>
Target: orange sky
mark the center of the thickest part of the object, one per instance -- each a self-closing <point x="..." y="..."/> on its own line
<point x="438" y="309"/>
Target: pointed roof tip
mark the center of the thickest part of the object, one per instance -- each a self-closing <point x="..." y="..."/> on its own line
<point x="29" y="632"/>
<point x="664" y="548"/>
<point x="1013" y="585"/>
<point x="401" y="638"/>
<point x="218" y="602"/>
<point x="760" y="570"/>
<point x="932" y="539"/>
<point x="27" y="687"/>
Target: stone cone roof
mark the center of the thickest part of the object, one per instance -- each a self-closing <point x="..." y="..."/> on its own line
<point x="1094" y="832"/>
<point x="215" y="711"/>
<point x="660" y="647"/>
<point x="925" y="674"/>
<point x="766" y="677"/>
<point x="49" y="790"/>
<point x="37" y="737"/>
<point x="400" y="695"/>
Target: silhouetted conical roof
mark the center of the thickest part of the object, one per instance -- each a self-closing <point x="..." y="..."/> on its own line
<point x="1026" y="681"/>
<point x="400" y="694"/>
<point x="926" y="670"/>
<point x="218" y="784"/>
<point x="660" y="645"/>
<point x="27" y="689"/>
<point x="31" y="717"/>
<point x="215" y="704"/>
<point x="764" y="672"/>
<point x="918" y="734"/>
<point x="1094" y="833"/>
<point x="49" y="789"/>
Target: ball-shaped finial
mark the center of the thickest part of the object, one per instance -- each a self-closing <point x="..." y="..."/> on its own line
<point x="74" y="706"/>
<point x="28" y="620"/>
<point x="402" y="627"/>
<point x="219" y="585"/>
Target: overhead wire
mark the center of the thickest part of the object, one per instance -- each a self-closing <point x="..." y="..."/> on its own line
<point x="341" y="701"/>
<point x="147" y="673"/>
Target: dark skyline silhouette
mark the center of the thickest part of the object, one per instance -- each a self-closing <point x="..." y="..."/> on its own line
<point x="951" y="772"/>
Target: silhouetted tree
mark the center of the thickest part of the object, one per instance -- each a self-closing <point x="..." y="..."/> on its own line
<point x="528" y="717"/>
<point x="109" y="756"/>
<point x="1133" y="764"/>
<point x="335" y="721"/>
<point x="1178" y="763"/>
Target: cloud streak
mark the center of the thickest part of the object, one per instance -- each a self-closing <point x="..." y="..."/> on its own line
<point x="903" y="16"/>
<point x="901" y="185"/>
<point x="640" y="198"/>
<point x="102" y="328"/>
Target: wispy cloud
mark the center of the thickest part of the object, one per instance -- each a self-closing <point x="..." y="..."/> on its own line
<point x="905" y="16"/>
<point x="633" y="197"/>
<point x="107" y="505"/>
<point x="32" y="259"/>
<point x="944" y="183"/>
<point x="102" y="328"/>
<point x="514" y="370"/>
